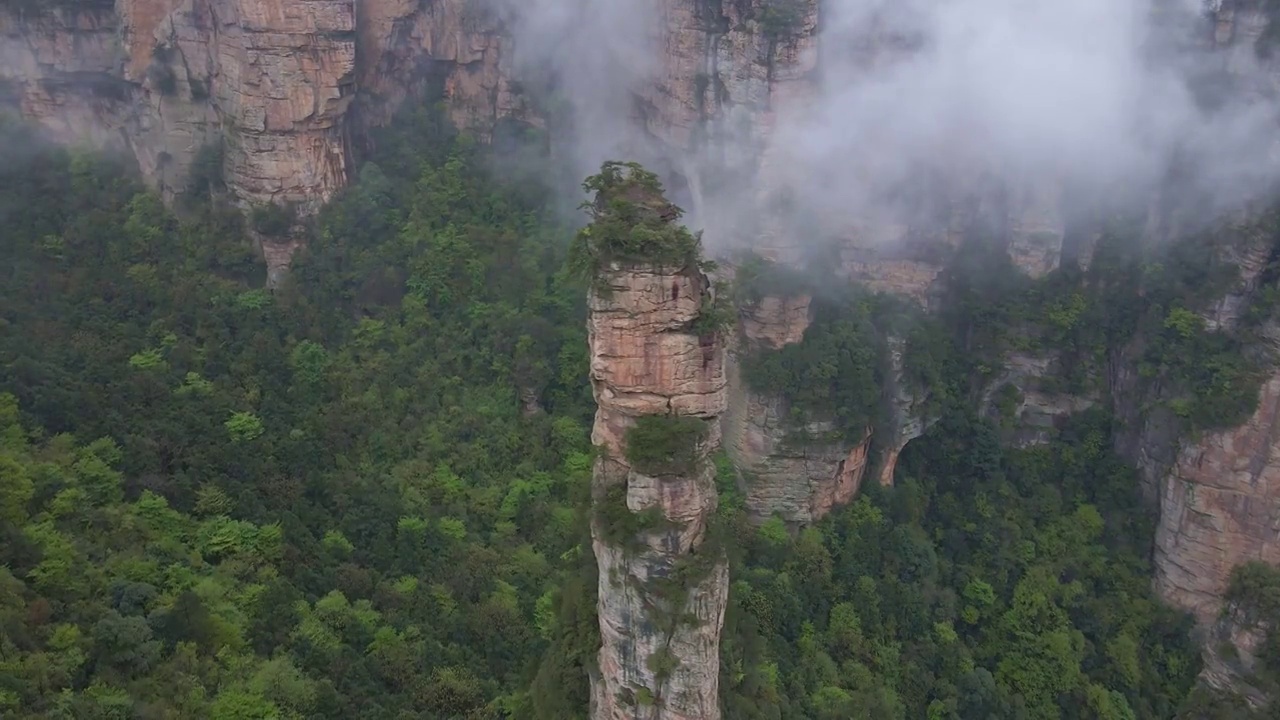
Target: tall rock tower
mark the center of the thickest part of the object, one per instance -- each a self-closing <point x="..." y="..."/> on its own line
<point x="657" y="371"/>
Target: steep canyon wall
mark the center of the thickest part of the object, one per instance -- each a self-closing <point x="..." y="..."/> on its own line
<point x="800" y="482"/>
<point x="282" y="87"/>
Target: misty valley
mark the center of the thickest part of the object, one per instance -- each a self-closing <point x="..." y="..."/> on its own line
<point x="641" y="360"/>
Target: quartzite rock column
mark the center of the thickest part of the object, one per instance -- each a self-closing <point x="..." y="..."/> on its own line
<point x="662" y="586"/>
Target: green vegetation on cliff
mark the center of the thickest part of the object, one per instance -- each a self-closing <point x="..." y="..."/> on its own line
<point x="1251" y="607"/>
<point x="835" y="374"/>
<point x="839" y="373"/>
<point x="631" y="223"/>
<point x="1145" y="311"/>
<point x="365" y="494"/>
<point x="991" y="582"/>
<point x="665" y="444"/>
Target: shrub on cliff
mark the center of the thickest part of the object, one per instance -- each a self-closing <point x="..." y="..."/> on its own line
<point x="665" y="444"/>
<point x="781" y="19"/>
<point x="631" y="223"/>
<point x="618" y="524"/>
<point x="273" y="220"/>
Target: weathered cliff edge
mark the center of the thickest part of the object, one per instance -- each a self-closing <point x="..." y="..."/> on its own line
<point x="1217" y="491"/>
<point x="276" y="84"/>
<point x="1218" y="509"/>
<point x="659" y="658"/>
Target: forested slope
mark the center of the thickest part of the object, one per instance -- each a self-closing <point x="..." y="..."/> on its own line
<point x="364" y="495"/>
<point x="325" y="502"/>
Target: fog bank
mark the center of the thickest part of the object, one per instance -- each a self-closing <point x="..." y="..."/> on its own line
<point x="1098" y="95"/>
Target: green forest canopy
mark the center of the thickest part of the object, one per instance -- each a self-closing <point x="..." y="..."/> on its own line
<point x="331" y="501"/>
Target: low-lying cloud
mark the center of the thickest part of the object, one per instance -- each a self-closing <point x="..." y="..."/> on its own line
<point x="1098" y="95"/>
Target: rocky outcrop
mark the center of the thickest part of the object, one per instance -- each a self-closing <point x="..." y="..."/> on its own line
<point x="272" y="82"/>
<point x="908" y="414"/>
<point x="1234" y="645"/>
<point x="800" y="481"/>
<point x="269" y="80"/>
<point x="897" y="260"/>
<point x="1218" y="509"/>
<point x="774" y="322"/>
<point x="725" y="65"/>
<point x="1027" y="410"/>
<point x="61" y="66"/>
<point x="460" y="45"/>
<point x="660" y="654"/>
<point x="279" y="80"/>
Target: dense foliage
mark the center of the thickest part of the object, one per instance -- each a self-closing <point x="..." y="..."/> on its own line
<point x="834" y="374"/>
<point x="355" y="497"/>
<point x="839" y="374"/>
<point x="1126" y="307"/>
<point x="987" y="584"/>
<point x="364" y="494"/>
<point x="631" y="222"/>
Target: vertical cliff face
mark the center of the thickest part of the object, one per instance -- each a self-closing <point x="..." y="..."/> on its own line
<point x="61" y="66"/>
<point x="660" y="653"/>
<point x="800" y="482"/>
<point x="658" y="376"/>
<point x="269" y="83"/>
<point x="1218" y="509"/>
<point x="1215" y="489"/>
<point x="726" y="65"/>
<point x="405" y="46"/>
<point x="270" y="80"/>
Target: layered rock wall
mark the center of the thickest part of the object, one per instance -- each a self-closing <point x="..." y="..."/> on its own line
<point x="659" y="658"/>
<point x="1218" y="509"/>
<point x="724" y="69"/>
<point x="461" y="45"/>
<point x="270" y="82"/>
